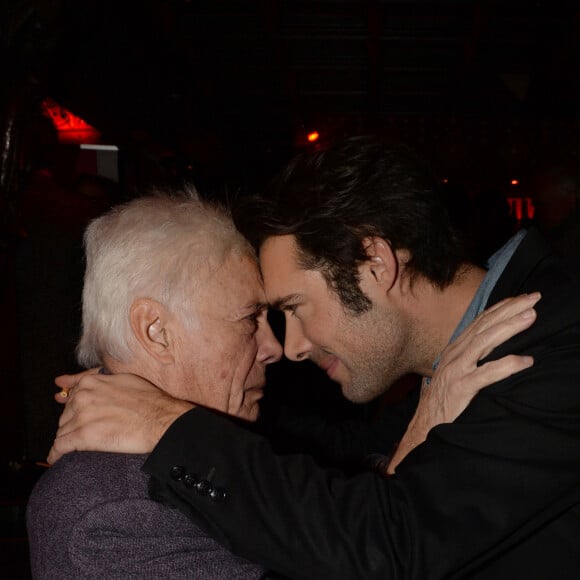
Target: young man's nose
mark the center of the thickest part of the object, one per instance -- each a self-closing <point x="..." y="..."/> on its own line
<point x="296" y="346"/>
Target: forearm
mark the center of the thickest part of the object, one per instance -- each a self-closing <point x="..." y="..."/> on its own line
<point x="337" y="442"/>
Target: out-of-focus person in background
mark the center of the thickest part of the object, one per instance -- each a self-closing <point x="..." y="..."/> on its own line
<point x="556" y="195"/>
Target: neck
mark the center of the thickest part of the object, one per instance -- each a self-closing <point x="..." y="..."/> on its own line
<point x="435" y="313"/>
<point x="136" y="366"/>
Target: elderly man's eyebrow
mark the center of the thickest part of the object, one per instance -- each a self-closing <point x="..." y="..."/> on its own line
<point x="256" y="307"/>
<point x="281" y="303"/>
<point x="251" y="310"/>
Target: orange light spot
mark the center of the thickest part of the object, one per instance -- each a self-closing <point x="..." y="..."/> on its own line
<point x="313" y="136"/>
<point x="515" y="182"/>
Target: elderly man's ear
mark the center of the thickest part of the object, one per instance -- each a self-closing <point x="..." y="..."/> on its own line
<point x="151" y="325"/>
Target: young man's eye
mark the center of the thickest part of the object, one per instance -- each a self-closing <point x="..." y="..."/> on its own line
<point x="291" y="308"/>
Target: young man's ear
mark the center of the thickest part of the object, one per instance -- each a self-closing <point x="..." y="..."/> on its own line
<point x="149" y="323"/>
<point x="382" y="266"/>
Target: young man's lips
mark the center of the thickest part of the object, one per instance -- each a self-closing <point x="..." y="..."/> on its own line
<point x="328" y="366"/>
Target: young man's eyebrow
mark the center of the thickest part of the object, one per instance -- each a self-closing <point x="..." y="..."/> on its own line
<point x="280" y="303"/>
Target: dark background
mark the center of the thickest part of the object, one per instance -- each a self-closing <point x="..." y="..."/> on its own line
<point x="221" y="93"/>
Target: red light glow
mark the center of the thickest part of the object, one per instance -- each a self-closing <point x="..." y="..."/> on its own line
<point x="520" y="205"/>
<point x="313" y="136"/>
<point x="514" y="182"/>
<point x="70" y="128"/>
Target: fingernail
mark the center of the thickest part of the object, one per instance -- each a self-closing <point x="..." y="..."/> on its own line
<point x="529" y="313"/>
<point x="535" y="296"/>
<point x="528" y="360"/>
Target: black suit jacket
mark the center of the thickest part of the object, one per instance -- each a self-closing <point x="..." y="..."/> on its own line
<point x="495" y="494"/>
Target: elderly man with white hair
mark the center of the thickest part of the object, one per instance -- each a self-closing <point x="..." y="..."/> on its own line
<point x="173" y="294"/>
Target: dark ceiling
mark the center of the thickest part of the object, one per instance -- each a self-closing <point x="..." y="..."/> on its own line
<point x="259" y="71"/>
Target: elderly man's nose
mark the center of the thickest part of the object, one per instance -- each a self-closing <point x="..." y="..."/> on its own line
<point x="270" y="350"/>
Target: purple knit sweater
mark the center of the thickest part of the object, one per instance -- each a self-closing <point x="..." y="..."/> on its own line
<point x="90" y="516"/>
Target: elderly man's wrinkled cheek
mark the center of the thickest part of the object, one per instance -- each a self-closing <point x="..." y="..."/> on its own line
<point x="246" y="393"/>
<point x="250" y="408"/>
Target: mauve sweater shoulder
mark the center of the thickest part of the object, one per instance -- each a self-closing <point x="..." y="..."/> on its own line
<point x="90" y="516"/>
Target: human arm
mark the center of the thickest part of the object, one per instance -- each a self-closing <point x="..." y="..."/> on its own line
<point x="90" y="516"/>
<point x="351" y="440"/>
<point x="457" y="380"/>
<point x="141" y="538"/>
<point x="122" y="413"/>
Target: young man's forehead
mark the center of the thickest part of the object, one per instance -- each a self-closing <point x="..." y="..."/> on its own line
<point x="278" y="252"/>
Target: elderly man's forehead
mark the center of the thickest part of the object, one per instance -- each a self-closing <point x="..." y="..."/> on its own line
<point x="242" y="268"/>
<point x="236" y="259"/>
<point x="233" y="290"/>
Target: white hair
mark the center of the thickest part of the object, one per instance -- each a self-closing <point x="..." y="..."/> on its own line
<point x="159" y="247"/>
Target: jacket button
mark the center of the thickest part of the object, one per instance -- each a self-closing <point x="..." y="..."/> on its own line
<point x="190" y="479"/>
<point x="217" y="494"/>
<point x="203" y="487"/>
<point x="176" y="472"/>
